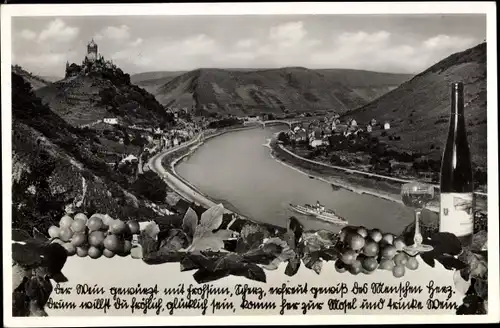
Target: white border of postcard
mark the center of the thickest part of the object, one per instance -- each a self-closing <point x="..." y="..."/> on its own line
<point x="487" y="8"/>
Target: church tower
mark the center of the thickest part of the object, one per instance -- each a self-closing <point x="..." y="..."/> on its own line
<point x="91" y="51"/>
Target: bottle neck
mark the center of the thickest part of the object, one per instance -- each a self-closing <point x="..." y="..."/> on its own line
<point x="457" y="100"/>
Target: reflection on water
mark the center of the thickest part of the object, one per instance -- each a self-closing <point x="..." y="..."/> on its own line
<point x="237" y="167"/>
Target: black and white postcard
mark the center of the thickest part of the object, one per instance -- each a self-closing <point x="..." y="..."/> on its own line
<point x="257" y="163"/>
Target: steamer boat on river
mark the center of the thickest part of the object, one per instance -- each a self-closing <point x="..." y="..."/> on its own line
<point x="319" y="212"/>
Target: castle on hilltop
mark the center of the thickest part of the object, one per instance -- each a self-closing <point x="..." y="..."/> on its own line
<point x="93" y="62"/>
<point x="91" y="51"/>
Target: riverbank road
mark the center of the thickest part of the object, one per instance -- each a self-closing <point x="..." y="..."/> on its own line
<point x="173" y="181"/>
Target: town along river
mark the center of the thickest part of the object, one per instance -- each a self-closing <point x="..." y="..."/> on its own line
<point x="238" y="171"/>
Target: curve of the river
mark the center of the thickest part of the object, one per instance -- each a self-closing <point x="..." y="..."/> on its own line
<point x="237" y="170"/>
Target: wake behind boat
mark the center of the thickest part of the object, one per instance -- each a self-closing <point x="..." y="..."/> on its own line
<point x="319" y="212"/>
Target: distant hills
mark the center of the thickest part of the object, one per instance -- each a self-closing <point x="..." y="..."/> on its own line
<point x="290" y="89"/>
<point x="418" y="110"/>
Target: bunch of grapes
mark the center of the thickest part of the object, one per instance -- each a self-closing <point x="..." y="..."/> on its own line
<point x="95" y="236"/>
<point x="364" y="251"/>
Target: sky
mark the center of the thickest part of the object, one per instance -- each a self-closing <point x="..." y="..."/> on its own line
<point x="385" y="43"/>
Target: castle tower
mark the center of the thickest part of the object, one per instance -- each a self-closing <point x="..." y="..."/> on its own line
<point x="91" y="51"/>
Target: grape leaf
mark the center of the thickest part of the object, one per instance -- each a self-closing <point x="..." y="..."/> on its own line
<point x="317" y="266"/>
<point x="449" y="262"/>
<point x="471" y="290"/>
<point x="251" y="271"/>
<point x="328" y="237"/>
<point x="260" y="256"/>
<point x="223" y="234"/>
<point x="202" y="260"/>
<point x="148" y="243"/>
<point x="445" y="243"/>
<point x="297" y="229"/>
<point x="310" y="258"/>
<point x="273" y="265"/>
<point x="428" y="258"/>
<point x="187" y="264"/>
<point x="481" y="288"/>
<point x="251" y="237"/>
<point x="54" y="258"/>
<point x="477" y="265"/>
<point x="318" y="240"/>
<point x="20" y="235"/>
<point x="329" y="254"/>
<point x="211" y="219"/>
<point x="461" y="285"/>
<point x="472" y="304"/>
<point x="273" y="247"/>
<point x="275" y="241"/>
<point x="37" y="235"/>
<point x="26" y="255"/>
<point x="231" y="261"/>
<point x="189" y="222"/>
<point x="312" y="246"/>
<point x="313" y="261"/>
<point x="175" y="240"/>
<point x="20" y="304"/>
<point x="36" y="310"/>
<point x="162" y="256"/>
<point x="292" y="267"/>
<point x="203" y="276"/>
<point x="38" y="289"/>
<point x="152" y="230"/>
<point x="18" y="275"/>
<point x="221" y="265"/>
<point x="467" y="309"/>
<point x="207" y="242"/>
<point x="204" y="238"/>
<point x="281" y="250"/>
<point x="289" y="238"/>
<point x="479" y="241"/>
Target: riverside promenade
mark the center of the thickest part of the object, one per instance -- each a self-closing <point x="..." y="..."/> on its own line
<point x="173" y="181"/>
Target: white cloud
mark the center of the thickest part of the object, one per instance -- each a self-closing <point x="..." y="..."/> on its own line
<point x="362" y="37"/>
<point x="198" y="45"/>
<point x="312" y="43"/>
<point x="28" y="34"/>
<point x="288" y="34"/>
<point x="58" y="31"/>
<point x="378" y="51"/>
<point x="446" y="41"/>
<point x="137" y="42"/>
<point x="115" y="33"/>
<point x="246" y="43"/>
<point x="193" y="51"/>
<point x="47" y="59"/>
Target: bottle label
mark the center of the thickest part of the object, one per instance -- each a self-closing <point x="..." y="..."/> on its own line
<point x="457" y="213"/>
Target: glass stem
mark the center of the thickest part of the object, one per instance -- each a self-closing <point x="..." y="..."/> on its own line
<point x="418" y="236"/>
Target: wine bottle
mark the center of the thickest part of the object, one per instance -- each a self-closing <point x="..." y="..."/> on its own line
<point x="457" y="190"/>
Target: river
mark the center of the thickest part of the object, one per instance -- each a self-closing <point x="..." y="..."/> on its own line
<point x="237" y="170"/>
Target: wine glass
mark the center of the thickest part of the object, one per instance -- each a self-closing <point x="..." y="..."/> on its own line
<point x="416" y="195"/>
